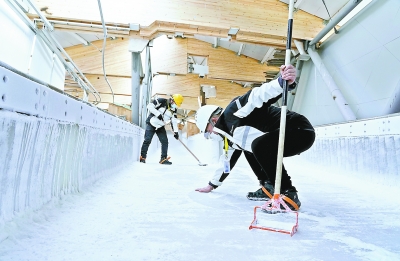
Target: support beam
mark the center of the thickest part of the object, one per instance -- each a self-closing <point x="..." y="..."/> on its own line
<point x="216" y="42"/>
<point x="336" y="94"/>
<point x="300" y="47"/>
<point x="80" y="39"/>
<point x="240" y="49"/>
<point x="297" y="4"/>
<point x="146" y="89"/>
<point x="135" y="86"/>
<point x="335" y="20"/>
<point x="269" y="55"/>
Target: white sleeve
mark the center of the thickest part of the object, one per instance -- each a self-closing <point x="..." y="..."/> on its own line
<point x="258" y="96"/>
<point x="152" y="108"/>
<point x="215" y="180"/>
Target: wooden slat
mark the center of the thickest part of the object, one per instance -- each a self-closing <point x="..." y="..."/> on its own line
<point x="89" y="58"/>
<point x="120" y="111"/>
<point x="170" y="56"/>
<point x="225" y="64"/>
<point x="263" y="17"/>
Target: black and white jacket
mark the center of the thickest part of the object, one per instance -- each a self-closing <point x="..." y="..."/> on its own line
<point x="162" y="107"/>
<point x="248" y="117"/>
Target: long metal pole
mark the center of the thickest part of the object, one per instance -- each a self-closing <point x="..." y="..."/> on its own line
<point x="282" y="126"/>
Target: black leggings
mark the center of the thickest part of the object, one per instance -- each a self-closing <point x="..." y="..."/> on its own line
<point x="265" y="152"/>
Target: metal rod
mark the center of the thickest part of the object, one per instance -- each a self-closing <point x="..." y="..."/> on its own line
<point x="104" y="49"/>
<point x="336" y="94"/>
<point x="109" y="27"/>
<point x="45" y="21"/>
<point x="335" y="20"/>
<point x="189" y="150"/>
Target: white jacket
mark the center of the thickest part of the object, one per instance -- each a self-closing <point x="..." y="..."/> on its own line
<point x="168" y="115"/>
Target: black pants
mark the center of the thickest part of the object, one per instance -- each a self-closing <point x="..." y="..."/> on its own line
<point x="148" y="136"/>
<point x="263" y="160"/>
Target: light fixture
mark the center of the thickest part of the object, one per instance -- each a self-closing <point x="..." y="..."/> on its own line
<point x="233" y="31"/>
<point x="134" y="27"/>
<point x="178" y="34"/>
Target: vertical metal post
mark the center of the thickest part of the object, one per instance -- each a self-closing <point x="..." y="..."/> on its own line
<point x="146" y="89"/>
<point x="135" y="86"/>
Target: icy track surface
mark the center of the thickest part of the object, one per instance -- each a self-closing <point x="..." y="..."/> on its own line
<point x="151" y="212"/>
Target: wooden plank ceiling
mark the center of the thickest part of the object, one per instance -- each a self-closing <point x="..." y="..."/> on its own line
<point x="262" y="22"/>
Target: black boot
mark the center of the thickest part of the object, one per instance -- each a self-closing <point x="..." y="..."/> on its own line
<point x="260" y="195"/>
<point x="143" y="160"/>
<point x="164" y="160"/>
<point x="293" y="202"/>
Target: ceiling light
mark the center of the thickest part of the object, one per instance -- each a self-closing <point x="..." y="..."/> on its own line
<point x="233" y="31"/>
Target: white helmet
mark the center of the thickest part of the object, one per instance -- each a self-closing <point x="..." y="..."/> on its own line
<point x="204" y="114"/>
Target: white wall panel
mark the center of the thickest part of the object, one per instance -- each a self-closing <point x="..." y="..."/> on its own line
<point x="363" y="59"/>
<point x="393" y="47"/>
<point x="382" y="20"/>
<point x="16" y="39"/>
<point x="42" y="62"/>
<point x="16" y="48"/>
<point x="352" y="42"/>
<point x="313" y="98"/>
<point x="57" y="78"/>
<point x="353" y="83"/>
<point x="379" y="77"/>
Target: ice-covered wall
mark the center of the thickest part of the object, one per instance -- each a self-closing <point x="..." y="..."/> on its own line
<point x="52" y="144"/>
<point x="366" y="149"/>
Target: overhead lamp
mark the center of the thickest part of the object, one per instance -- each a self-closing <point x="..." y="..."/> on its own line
<point x="178" y="34"/>
<point x="134" y="27"/>
<point x="233" y="31"/>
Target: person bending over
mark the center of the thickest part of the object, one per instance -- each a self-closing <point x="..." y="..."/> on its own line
<point x="250" y="125"/>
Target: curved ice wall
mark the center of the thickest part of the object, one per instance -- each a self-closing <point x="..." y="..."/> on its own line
<point x="52" y="144"/>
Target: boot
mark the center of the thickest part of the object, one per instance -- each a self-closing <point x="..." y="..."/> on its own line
<point x="164" y="160"/>
<point x="143" y="160"/>
<point x="260" y="195"/>
<point x="291" y="199"/>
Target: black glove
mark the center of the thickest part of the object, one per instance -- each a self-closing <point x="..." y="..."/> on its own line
<point x="160" y="117"/>
<point x="176" y="135"/>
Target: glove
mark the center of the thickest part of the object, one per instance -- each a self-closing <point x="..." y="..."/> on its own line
<point x="176" y="135"/>
<point x="160" y="117"/>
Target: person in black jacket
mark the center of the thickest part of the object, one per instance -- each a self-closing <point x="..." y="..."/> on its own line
<point x="161" y="111"/>
<point x="250" y="125"/>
